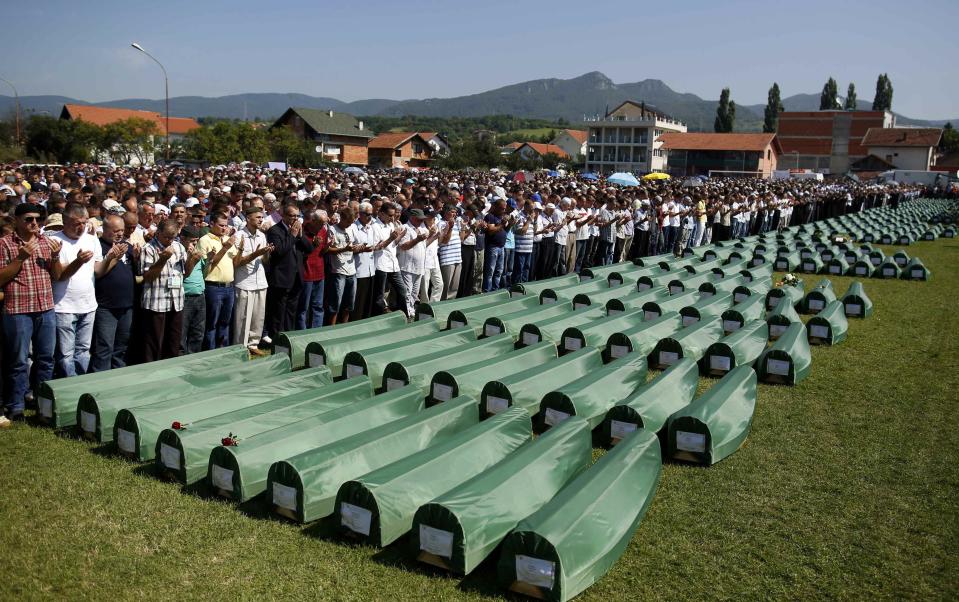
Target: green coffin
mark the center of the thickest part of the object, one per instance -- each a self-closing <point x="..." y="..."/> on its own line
<point x="553" y="294"/>
<point x="184" y="454"/>
<point x="789" y="360"/>
<point x="858" y="305"/>
<point x="780" y="318"/>
<point x="876" y="257"/>
<point x="371" y="361"/>
<point x="513" y="322"/>
<point x="378" y="507"/>
<point x="860" y="267"/>
<point x="600" y="297"/>
<point x="731" y="269"/>
<point x="476" y="316"/>
<point x="914" y="270"/>
<point x="901" y="258"/>
<point x="572" y="541"/>
<point x="818" y="297"/>
<point x="621" y="270"/>
<point x="419" y="370"/>
<point x="643" y="337"/>
<point x="887" y="269"/>
<point x="464" y="525"/>
<point x="303" y="487"/>
<point x="526" y="389"/>
<point x="331" y="352"/>
<point x="135" y="430"/>
<point x="649" y="281"/>
<point x="596" y="333"/>
<point x="756" y="288"/>
<point x="294" y="342"/>
<point x="756" y="274"/>
<point x="692" y="341"/>
<point x="689" y="282"/>
<point x="57" y="399"/>
<point x="535" y="288"/>
<point x="470" y="379"/>
<point x="715" y="425"/>
<point x="635" y="300"/>
<point x="591" y="396"/>
<point x="551" y="329"/>
<point x="741" y="348"/>
<point x="837" y="266"/>
<point x="96" y="412"/>
<point x="441" y="310"/>
<point x="752" y="308"/>
<point x="706" y="308"/>
<point x="787" y="293"/>
<point x="788" y="263"/>
<point x="811" y="265"/>
<point x="652" y="309"/>
<point x="726" y="284"/>
<point x="828" y="327"/>
<point x="240" y="471"/>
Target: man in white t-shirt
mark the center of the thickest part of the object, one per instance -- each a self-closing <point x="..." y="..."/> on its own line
<point x="412" y="257"/>
<point x="74" y="295"/>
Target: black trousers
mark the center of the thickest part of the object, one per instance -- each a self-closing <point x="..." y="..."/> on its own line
<point x="363" y="302"/>
<point x="380" y="281"/>
<point x="468" y="254"/>
<point x="281" y="306"/>
<point x="640" y="242"/>
<point x="547" y="259"/>
<point x="162" y="333"/>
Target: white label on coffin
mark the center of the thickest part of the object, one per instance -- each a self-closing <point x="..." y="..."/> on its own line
<point x="777" y="367"/>
<point x="853" y="309"/>
<point x="816" y="304"/>
<point x="777" y="329"/>
<point x="834" y="269"/>
<point x="495" y="405"/>
<point x="782" y="265"/>
<point x="534" y="571"/>
<point x="740" y="297"/>
<point x="643" y="286"/>
<point x="748" y="277"/>
<point x="808" y="266"/>
<point x="668" y="358"/>
<point x="280" y="350"/>
<point x="888" y="271"/>
<point x="530" y="338"/>
<point x="818" y="331"/>
<point x="675" y="289"/>
<point x="454" y="324"/>
<point x="687" y="320"/>
<point x="613" y="312"/>
<point x="917" y="273"/>
<point x="514" y="294"/>
<point x="423" y="316"/>
<point x="731" y="325"/>
<point x="436" y="541"/>
<point x="618" y="351"/>
<point x="490" y="330"/>
<point x="355" y="519"/>
<point x="352" y="370"/>
<point x="619" y="429"/>
<point x="554" y="417"/>
<point x="170" y="456"/>
<point x="774" y="301"/>
<point x="548" y="300"/>
<point x="860" y="271"/>
<point x="579" y="306"/>
<point x="222" y="478"/>
<point x="442" y="392"/>
<point x="584" y="278"/>
<point x="650" y="315"/>
<point x="284" y="496"/>
<point x="718" y="362"/>
<point x="315" y="359"/>
<point x="88" y="421"/>
<point x="875" y="260"/>
<point x="394" y="383"/>
<point x="706" y="294"/>
<point x="126" y="441"/>
<point x="572" y="343"/>
<point x="691" y="442"/>
<point x="615" y="282"/>
<point x="46" y="407"/>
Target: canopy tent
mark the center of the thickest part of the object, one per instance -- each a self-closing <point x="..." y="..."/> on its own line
<point x="303" y="487"/>
<point x="622" y="179"/>
<point x="591" y="396"/>
<point x="818" y="297"/>
<point x="706" y="308"/>
<point x="752" y="308"/>
<point x="788" y="360"/>
<point x="460" y="528"/>
<point x="741" y="348"/>
<point x="184" y="454"/>
<point x="469" y="380"/>
<point x="136" y="429"/>
<point x="294" y="343"/>
<point x="780" y="318"/>
<point x="635" y="300"/>
<point x="915" y="270"/>
<point x="96" y="412"/>
<point x="441" y="310"/>
<point x="574" y="539"/>
<point x="420" y="369"/>
<point x="378" y="507"/>
<point x="371" y="361"/>
<point x="551" y="329"/>
<point x="240" y="471"/>
<point x="858" y="305"/>
<point x="332" y="352"/>
<point x="643" y="337"/>
<point x="514" y="321"/>
<point x="57" y="399"/>
<point x="651" y="404"/>
<point x="596" y="333"/>
<point x="714" y="426"/>
<point x="828" y="327"/>
<point x="526" y="388"/>
<point x="534" y="288"/>
<point x="692" y="341"/>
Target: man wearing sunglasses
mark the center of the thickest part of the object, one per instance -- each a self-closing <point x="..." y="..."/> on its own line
<point x="28" y="265"/>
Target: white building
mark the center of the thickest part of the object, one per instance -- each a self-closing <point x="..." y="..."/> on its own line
<point x="573" y="142"/>
<point x="906" y="148"/>
<point x="626" y="139"/>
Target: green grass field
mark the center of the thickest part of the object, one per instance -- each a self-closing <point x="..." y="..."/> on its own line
<point x="847" y="488"/>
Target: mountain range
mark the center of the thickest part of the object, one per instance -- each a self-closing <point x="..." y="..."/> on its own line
<point x="572" y="99"/>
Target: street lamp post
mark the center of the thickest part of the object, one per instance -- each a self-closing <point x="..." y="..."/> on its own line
<point x="16" y="98"/>
<point x="166" y="89"/>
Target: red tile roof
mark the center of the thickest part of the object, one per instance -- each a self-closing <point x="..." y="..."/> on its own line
<point x="579" y="135"/>
<point x="921" y="137"/>
<point x="108" y="115"/>
<point x="719" y="142"/>
<point x="545" y="149"/>
<point x="391" y="139"/>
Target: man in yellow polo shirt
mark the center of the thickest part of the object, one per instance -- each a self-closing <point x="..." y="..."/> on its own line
<point x="219" y="247"/>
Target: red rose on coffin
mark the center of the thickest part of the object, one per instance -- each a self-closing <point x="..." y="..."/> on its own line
<point x="177" y="426"/>
<point x="229" y="441"/>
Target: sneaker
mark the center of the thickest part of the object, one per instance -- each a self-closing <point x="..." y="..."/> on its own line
<point x="5" y="422"/>
<point x="265" y="340"/>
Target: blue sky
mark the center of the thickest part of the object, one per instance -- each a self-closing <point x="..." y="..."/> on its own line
<point x="429" y="48"/>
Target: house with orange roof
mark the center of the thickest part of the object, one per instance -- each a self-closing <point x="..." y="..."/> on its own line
<point x="537" y="150"/>
<point x="699" y="153"/>
<point x="573" y="142"/>
<point x="400" y="149"/>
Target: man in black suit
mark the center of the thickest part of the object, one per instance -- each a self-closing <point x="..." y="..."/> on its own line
<point x="283" y="278"/>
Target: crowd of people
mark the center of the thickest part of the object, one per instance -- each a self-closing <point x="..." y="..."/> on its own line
<point x="104" y="266"/>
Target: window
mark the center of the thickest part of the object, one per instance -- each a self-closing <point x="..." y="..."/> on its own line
<point x="769" y="155"/>
<point x="398" y="153"/>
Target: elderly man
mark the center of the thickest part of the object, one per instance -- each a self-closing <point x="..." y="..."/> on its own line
<point x="364" y="235"/>
<point x="74" y="292"/>
<point x="309" y="312"/>
<point x="290" y="245"/>
<point x="114" y="294"/>
<point x="249" y="280"/>
<point x="28" y="263"/>
<point x="164" y="263"/>
<point x="341" y="288"/>
<point x="412" y="257"/>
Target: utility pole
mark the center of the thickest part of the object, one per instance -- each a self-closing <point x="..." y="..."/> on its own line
<point x="16" y="98"/>
<point x="166" y="88"/>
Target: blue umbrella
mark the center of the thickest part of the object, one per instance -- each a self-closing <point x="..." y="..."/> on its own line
<point x="352" y="169"/>
<point x="552" y="173"/>
<point x="623" y="179"/>
<point x="589" y="176"/>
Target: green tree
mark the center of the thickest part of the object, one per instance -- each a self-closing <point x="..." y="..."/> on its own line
<point x="850" y="98"/>
<point x="829" y="99"/>
<point x="774" y="106"/>
<point x="725" y="113"/>
<point x="252" y="143"/>
<point x="129" y="139"/>
<point x="950" y="139"/>
<point x="61" y="140"/>
<point x="882" y="101"/>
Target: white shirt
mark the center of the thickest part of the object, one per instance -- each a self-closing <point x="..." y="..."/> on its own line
<point x="364" y="235"/>
<point x="674" y="219"/>
<point x="582" y="232"/>
<point x="341" y="263"/>
<point x="412" y="260"/>
<point x="77" y="295"/>
<point x="251" y="276"/>
<point x="385" y="259"/>
<point x="562" y="234"/>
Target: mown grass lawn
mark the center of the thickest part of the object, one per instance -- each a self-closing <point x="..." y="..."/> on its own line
<point x="846" y="488"/>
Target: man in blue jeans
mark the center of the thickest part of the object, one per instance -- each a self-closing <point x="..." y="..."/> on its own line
<point x="495" y="225"/>
<point x="28" y="264"/>
<point x="219" y="246"/>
